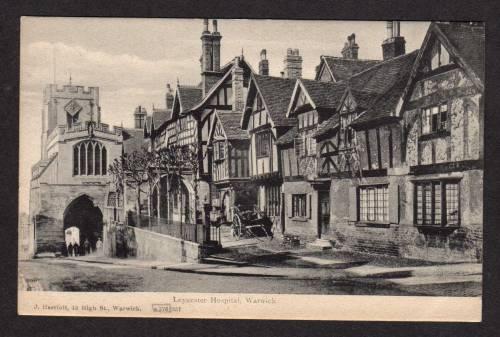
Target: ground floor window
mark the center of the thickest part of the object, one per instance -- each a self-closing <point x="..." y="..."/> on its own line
<point x="373" y="203"/>
<point x="299" y="205"/>
<point x="273" y="194"/>
<point x="437" y="203"/>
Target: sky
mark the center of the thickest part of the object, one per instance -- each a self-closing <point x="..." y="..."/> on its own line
<point x="132" y="60"/>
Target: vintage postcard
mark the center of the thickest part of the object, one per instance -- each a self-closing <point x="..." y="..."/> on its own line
<point x="257" y="169"/>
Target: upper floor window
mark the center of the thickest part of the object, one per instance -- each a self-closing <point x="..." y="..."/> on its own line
<point x="219" y="152"/>
<point x="89" y="158"/>
<point x="308" y="119"/>
<point x="263" y="144"/>
<point x="439" y="56"/>
<point x="434" y="118"/>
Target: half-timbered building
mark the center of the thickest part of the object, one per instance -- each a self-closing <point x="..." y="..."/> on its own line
<point x="265" y="120"/>
<point x="229" y="146"/>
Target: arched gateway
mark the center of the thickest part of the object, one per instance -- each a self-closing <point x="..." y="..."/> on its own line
<point x="83" y="214"/>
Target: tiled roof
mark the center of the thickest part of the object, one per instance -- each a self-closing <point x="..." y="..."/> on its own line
<point x="133" y="140"/>
<point x="160" y="116"/>
<point x="231" y="123"/>
<point x="276" y="92"/>
<point x="343" y="68"/>
<point x="189" y="96"/>
<point x="288" y="136"/>
<point x="379" y="88"/>
<point x="469" y="42"/>
<point x="325" y="94"/>
<point x="328" y="125"/>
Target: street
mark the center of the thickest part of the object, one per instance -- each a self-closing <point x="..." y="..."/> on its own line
<point x="53" y="274"/>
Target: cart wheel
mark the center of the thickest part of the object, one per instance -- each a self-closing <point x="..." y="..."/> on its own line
<point x="236" y="228"/>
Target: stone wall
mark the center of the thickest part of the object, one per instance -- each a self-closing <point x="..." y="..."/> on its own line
<point x="154" y="246"/>
<point x="49" y="216"/>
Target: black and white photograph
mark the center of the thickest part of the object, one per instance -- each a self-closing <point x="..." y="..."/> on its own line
<point x="249" y="163"/>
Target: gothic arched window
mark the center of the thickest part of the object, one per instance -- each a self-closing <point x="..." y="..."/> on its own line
<point x="89" y="158"/>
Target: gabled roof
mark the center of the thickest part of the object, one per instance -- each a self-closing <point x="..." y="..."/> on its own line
<point x="160" y="116"/>
<point x="276" y="93"/>
<point x="289" y="136"/>
<point x="465" y="42"/>
<point x="325" y="95"/>
<point x="341" y="68"/>
<point x="468" y="41"/>
<point x="329" y="125"/>
<point x="227" y="69"/>
<point x="230" y="123"/>
<point x="188" y="97"/>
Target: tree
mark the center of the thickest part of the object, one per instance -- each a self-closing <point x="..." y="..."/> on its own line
<point x="175" y="161"/>
<point x="132" y="170"/>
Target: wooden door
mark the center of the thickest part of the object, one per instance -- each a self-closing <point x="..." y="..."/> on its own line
<point x="323" y="212"/>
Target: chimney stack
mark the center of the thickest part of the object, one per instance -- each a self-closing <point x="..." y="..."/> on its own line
<point x="216" y="37"/>
<point x="350" y="50"/>
<point x="237" y="86"/>
<point x="293" y="64"/>
<point x="394" y="44"/>
<point x="169" y="97"/>
<point x="264" y="63"/>
<point x="206" y="48"/>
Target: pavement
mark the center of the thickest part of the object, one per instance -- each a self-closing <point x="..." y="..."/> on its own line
<point x="257" y="257"/>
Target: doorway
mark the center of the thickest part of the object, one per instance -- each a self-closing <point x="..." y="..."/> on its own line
<point x="324" y="212"/>
<point x="86" y="218"/>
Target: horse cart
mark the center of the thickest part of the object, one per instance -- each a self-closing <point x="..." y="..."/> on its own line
<point x="250" y="223"/>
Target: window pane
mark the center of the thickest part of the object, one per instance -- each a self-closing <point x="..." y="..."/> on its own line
<point x="104" y="161"/>
<point x="437" y="203"/>
<point x="428" y="204"/>
<point x="445" y="56"/>
<point x="426" y="121"/>
<point x="90" y="158"/>
<point x="452" y="202"/>
<point x="435" y="120"/>
<point x="97" y="158"/>
<point x="75" y="160"/>
<point x="420" y="203"/>
<point x="83" y="162"/>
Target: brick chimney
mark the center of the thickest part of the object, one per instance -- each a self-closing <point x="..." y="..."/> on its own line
<point x="394" y="44"/>
<point x="237" y="82"/>
<point x="293" y="64"/>
<point x="169" y="97"/>
<point x="350" y="50"/>
<point x="216" y="37"/>
<point x="264" y="63"/>
<point x="206" y="48"/>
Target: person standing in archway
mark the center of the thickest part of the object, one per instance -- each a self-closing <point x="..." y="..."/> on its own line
<point x="76" y="249"/>
<point x="86" y="246"/>
<point x="70" y="249"/>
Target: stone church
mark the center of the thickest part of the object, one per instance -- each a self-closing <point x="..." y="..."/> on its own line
<point x="71" y="193"/>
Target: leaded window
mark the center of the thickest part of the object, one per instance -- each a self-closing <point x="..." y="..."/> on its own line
<point x="89" y="158"/>
<point x="374" y="203"/>
<point x="437" y="203"/>
<point x="434" y="118"/>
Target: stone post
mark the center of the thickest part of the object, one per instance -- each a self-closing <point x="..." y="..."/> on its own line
<point x="206" y="222"/>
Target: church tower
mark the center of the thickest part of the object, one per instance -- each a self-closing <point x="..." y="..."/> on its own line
<point x="69" y="107"/>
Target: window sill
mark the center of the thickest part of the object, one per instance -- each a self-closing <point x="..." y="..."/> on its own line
<point x="436" y="229"/>
<point x="300" y="218"/>
<point x="372" y="224"/>
<point x="434" y="135"/>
